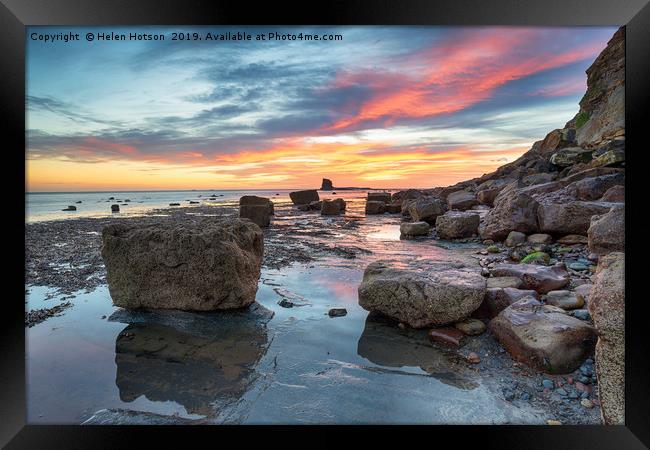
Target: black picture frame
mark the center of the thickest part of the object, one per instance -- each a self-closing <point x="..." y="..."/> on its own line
<point x="15" y="15"/>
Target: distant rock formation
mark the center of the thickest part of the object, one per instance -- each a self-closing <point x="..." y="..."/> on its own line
<point x="327" y="185"/>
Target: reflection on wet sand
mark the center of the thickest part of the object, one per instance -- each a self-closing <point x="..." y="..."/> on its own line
<point x="200" y="361"/>
<point x="384" y="344"/>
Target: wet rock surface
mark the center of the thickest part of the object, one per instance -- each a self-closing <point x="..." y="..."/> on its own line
<point x="422" y="296"/>
<point x="215" y="266"/>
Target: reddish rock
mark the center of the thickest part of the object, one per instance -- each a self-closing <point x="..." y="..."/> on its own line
<point x="539" y="278"/>
<point x="614" y="194"/>
<point x="447" y="336"/>
<point x="498" y="299"/>
<point x="543" y="337"/>
<point x="607" y="232"/>
<point x="375" y="207"/>
<point x="473" y="358"/>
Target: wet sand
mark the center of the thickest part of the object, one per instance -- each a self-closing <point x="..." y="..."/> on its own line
<point x="95" y="363"/>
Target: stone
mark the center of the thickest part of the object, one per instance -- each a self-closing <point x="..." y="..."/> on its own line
<point x="379" y="197"/>
<point x="570" y="156"/>
<point x="569" y="218"/>
<point x="473" y="358"/>
<point x="258" y="214"/>
<point x="326" y="185"/>
<point x="513" y="210"/>
<point x="610" y="158"/>
<point x="426" y="209"/>
<point x="578" y="266"/>
<point x="304" y="197"/>
<point x="572" y="239"/>
<point x="421" y="296"/>
<point x="543" y="337"/>
<point x="614" y="194"/>
<point x="393" y="208"/>
<point x="315" y="206"/>
<point x="493" y="249"/>
<point x="542" y="279"/>
<point x="581" y="314"/>
<point x="115" y="208"/>
<point x="540" y="238"/>
<point x="504" y="282"/>
<point x="538" y="178"/>
<point x="606" y="232"/>
<point x="447" y="336"/>
<point x="471" y="327"/>
<point x="607" y="308"/>
<point x="548" y="384"/>
<point x="332" y="207"/>
<point x="461" y="200"/>
<point x="255" y="200"/>
<point x="337" y="312"/>
<point x="174" y="204"/>
<point x="457" y="224"/>
<point x="374" y="207"/>
<point x="564" y="299"/>
<point x="212" y="266"/>
<point x="498" y="299"/>
<point x="515" y="238"/>
<point x="414" y="229"/>
<point x="487" y="196"/>
<point x="70" y="208"/>
<point x="585" y="402"/>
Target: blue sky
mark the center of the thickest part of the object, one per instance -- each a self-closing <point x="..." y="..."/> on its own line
<point x="389" y="106"/>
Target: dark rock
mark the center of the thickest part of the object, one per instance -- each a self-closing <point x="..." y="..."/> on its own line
<point x="70" y="208"/>
<point x="304" y="197"/>
<point x="426" y="209"/>
<point x="337" y="312"/>
<point x="115" y="208"/>
<point x="375" y="207"/>
<point x="607" y="232"/>
<point x="461" y="200"/>
<point x="379" y="197"/>
<point x="327" y="185"/>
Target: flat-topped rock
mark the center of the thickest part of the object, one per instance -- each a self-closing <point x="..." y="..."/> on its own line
<point x="379" y="197"/>
<point x="211" y="266"/>
<point x="538" y="278"/>
<point x="569" y="218"/>
<point x="543" y="337"/>
<point x="461" y="200"/>
<point x="457" y="224"/>
<point x="304" y="197"/>
<point x="332" y="207"/>
<point x="421" y="296"/>
<point x="257" y="209"/>
<point x="566" y="300"/>
<point x="504" y="282"/>
<point x="408" y="229"/>
<point x="498" y="299"/>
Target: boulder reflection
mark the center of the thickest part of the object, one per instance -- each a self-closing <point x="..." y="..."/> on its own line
<point x="383" y="343"/>
<point x="201" y="361"/>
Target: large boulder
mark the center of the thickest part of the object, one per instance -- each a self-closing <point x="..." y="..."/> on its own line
<point x="607" y="308"/>
<point x="514" y="210"/>
<point x="487" y="196"/>
<point x="457" y="224"/>
<point x="213" y="265"/>
<point x="614" y="194"/>
<point x="421" y="296"/>
<point x="375" y="207"/>
<point x="570" y="156"/>
<point x="258" y="214"/>
<point x="543" y="337"/>
<point x="461" y="200"/>
<point x="379" y="197"/>
<point x="426" y="209"/>
<point x="569" y="218"/>
<point x="255" y="200"/>
<point x="536" y="277"/>
<point x="332" y="207"/>
<point x="327" y="185"/>
<point x="607" y="232"/>
<point x="304" y="197"/>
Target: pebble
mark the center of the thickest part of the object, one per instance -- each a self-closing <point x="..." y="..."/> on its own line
<point x="587" y="403"/>
<point x="471" y="327"/>
<point x="581" y="314"/>
<point x="493" y="249"/>
<point x="553" y="422"/>
<point x="561" y="391"/>
<point x="508" y="394"/>
<point x="548" y="384"/>
<point x="578" y="266"/>
<point x="573" y="395"/>
<point x="337" y="312"/>
<point x="525" y="396"/>
<point x="285" y="303"/>
<point x="473" y="358"/>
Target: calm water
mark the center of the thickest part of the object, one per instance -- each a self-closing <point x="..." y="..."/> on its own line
<point x="43" y="206"/>
<point x="101" y="364"/>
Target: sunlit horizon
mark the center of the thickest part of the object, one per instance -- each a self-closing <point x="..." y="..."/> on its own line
<point x="386" y="108"/>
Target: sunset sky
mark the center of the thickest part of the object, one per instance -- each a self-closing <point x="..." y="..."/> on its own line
<point x="384" y="107"/>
